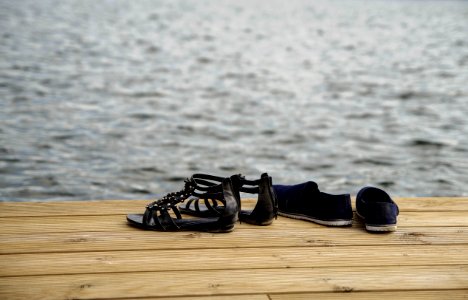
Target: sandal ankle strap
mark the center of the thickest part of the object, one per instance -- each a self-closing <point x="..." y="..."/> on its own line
<point x="206" y="181"/>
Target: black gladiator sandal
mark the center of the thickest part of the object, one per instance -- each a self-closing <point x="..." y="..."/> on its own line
<point x="157" y="215"/>
<point x="264" y="212"/>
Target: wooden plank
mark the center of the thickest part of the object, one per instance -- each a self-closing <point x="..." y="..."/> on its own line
<point x="247" y="237"/>
<point x="71" y="208"/>
<point x="226" y="282"/>
<point x="400" y="295"/>
<point x="431" y="203"/>
<point x="438" y="218"/>
<point x="250" y="258"/>
<point x="403" y="295"/>
<point x="119" y="223"/>
<point x="217" y="297"/>
<point x="106" y="207"/>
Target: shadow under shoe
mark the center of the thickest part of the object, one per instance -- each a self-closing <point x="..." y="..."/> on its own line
<point x="304" y="201"/>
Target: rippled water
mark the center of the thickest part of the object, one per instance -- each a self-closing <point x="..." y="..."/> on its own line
<point x="124" y="99"/>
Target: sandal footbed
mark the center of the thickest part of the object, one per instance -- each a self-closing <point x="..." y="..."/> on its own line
<point x="204" y="212"/>
<point x="205" y="224"/>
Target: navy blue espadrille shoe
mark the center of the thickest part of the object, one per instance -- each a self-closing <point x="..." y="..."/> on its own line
<point x="305" y="202"/>
<point x="377" y="209"/>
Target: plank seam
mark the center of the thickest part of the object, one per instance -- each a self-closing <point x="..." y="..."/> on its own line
<point x="268" y="294"/>
<point x="220" y="248"/>
<point x="253" y="248"/>
<point x="22" y="234"/>
<point x="124" y="214"/>
<point x="225" y="269"/>
<point x="368" y="291"/>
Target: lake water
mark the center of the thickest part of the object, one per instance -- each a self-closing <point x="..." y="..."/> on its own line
<point x="124" y="99"/>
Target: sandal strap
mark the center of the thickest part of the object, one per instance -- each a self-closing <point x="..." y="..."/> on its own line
<point x="160" y="217"/>
<point x="212" y="205"/>
<point x="158" y="210"/>
<point x="206" y="180"/>
<point x="240" y="184"/>
<point x="217" y="195"/>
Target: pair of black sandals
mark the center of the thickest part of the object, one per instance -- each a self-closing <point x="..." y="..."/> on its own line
<point x="213" y="202"/>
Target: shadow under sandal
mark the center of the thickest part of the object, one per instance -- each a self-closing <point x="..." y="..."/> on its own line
<point x="304" y="201"/>
<point x="264" y="212"/>
<point x="377" y="209"/>
<point x="163" y="214"/>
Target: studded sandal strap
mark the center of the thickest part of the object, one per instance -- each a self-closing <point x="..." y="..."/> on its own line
<point x="157" y="212"/>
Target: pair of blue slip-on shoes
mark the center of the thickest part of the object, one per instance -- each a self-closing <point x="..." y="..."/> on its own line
<point x="305" y="202"/>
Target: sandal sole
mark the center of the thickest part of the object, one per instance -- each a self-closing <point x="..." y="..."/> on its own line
<point x="196" y="227"/>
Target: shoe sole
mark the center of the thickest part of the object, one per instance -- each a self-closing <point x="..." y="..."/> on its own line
<point x="378" y="228"/>
<point x="381" y="228"/>
<point x="338" y="222"/>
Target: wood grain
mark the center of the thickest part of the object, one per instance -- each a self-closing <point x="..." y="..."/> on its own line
<point x="118" y="223"/>
<point x="86" y="250"/>
<point x="231" y="258"/>
<point x="393" y="295"/>
<point x="122" y="207"/>
<point x="252" y="237"/>
<point x="226" y="282"/>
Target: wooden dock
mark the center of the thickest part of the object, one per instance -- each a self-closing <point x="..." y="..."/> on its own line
<point x="85" y="250"/>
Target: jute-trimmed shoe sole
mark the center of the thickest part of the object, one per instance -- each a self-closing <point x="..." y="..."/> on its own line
<point x="381" y="228"/>
<point x="378" y="228"/>
<point x="337" y="222"/>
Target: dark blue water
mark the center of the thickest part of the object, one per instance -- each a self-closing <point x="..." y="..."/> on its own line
<point x="124" y="99"/>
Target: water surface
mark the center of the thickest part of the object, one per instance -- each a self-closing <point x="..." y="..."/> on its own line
<point x="124" y="99"/>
